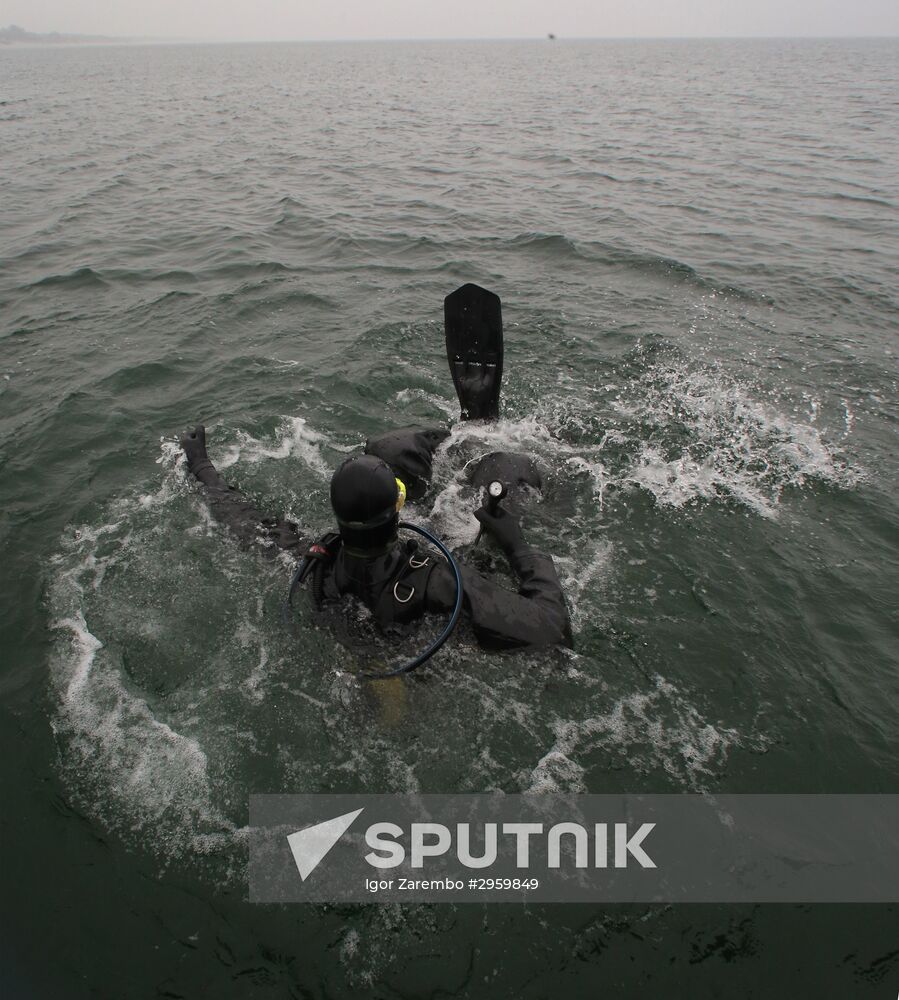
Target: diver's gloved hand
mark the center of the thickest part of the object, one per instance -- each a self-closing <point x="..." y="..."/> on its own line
<point x="503" y="527"/>
<point x="194" y="445"/>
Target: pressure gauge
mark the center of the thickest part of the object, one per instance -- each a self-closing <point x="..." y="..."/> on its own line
<point x="495" y="492"/>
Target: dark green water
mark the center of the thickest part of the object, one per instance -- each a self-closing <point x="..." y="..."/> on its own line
<point x="696" y="245"/>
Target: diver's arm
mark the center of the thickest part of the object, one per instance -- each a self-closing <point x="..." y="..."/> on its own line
<point x="535" y="616"/>
<point x="539" y="584"/>
<point x="542" y="611"/>
<point x="229" y="506"/>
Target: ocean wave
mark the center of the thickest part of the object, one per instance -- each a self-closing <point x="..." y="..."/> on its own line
<point x="560" y="247"/>
<point x="294" y="438"/>
<point x="658" y="728"/>
<point x="131" y="769"/>
<point x="702" y="436"/>
<point x="81" y="277"/>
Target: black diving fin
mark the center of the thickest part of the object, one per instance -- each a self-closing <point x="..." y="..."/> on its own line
<point x="474" y="349"/>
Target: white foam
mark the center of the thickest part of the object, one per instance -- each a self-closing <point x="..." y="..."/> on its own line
<point x="138" y="767"/>
<point x="582" y="572"/>
<point x="294" y="438"/>
<point x="848" y="418"/>
<point x="84" y="648"/>
<point x="253" y="682"/>
<point x="555" y="772"/>
<point x="451" y="516"/>
<point x="659" y="728"/>
<point x="132" y="769"/>
<point x="598" y="474"/>
<point x="248" y="636"/>
<point x="349" y="946"/>
<point x="524" y="434"/>
<point x="704" y="437"/>
<point x="170" y="453"/>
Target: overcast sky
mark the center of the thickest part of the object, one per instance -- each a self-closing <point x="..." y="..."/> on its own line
<point x="250" y="20"/>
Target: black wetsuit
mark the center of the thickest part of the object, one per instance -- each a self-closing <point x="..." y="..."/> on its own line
<point x="404" y="582"/>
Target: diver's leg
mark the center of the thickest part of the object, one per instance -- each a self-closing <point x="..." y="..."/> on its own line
<point x="409" y="452"/>
<point x="474" y="348"/>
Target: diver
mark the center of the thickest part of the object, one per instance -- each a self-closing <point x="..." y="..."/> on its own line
<point x="397" y="580"/>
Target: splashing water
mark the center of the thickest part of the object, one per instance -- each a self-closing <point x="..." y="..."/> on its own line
<point x="295" y="438"/>
<point x="138" y="732"/>
<point x="652" y="729"/>
<point x="704" y="437"/>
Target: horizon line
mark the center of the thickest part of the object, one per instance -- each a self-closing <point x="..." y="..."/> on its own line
<point x="97" y="39"/>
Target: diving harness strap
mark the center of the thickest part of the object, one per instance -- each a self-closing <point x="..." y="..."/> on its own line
<point x="319" y="555"/>
<point x="325" y="550"/>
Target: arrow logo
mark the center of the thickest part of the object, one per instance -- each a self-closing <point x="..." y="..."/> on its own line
<point x="310" y="846"/>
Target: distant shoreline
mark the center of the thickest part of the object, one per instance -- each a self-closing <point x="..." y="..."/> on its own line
<point x="16" y="36"/>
